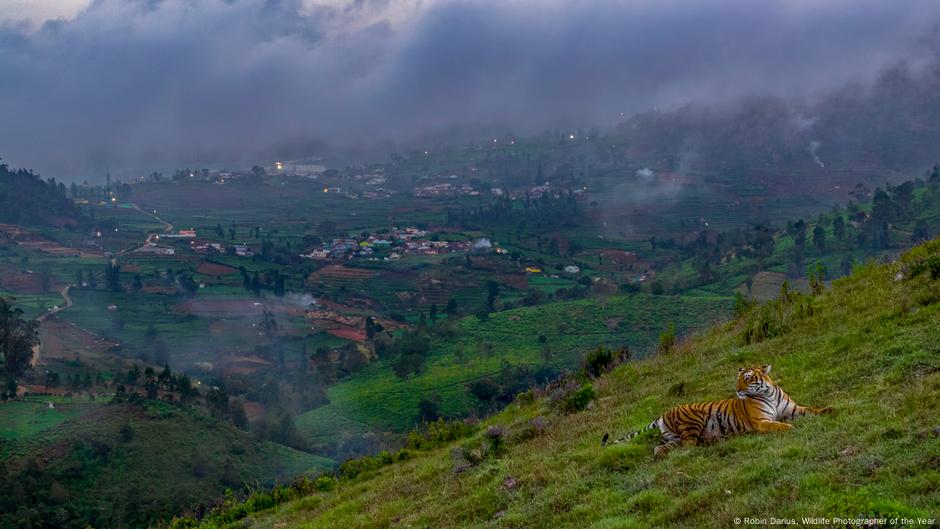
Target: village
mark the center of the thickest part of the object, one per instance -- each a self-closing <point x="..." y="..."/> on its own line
<point x="390" y="246"/>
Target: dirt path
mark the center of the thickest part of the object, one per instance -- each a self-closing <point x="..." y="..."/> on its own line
<point x="37" y="349"/>
<point x="167" y="227"/>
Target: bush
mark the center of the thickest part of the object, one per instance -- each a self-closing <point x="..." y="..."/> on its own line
<point x="602" y="360"/>
<point x="530" y="430"/>
<point x="438" y="433"/>
<point x="578" y="400"/>
<point x="667" y="340"/>
<point x="354" y="467"/>
<point x="496" y="439"/>
<point x="775" y="318"/>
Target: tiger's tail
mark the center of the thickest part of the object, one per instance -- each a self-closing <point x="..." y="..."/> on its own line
<point x="606" y="439"/>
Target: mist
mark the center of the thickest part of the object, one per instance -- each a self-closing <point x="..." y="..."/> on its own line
<point x="130" y="86"/>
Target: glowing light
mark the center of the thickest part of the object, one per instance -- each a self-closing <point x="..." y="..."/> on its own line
<point x="279" y="166"/>
<point x="326" y="190"/>
<point x="571" y="136"/>
<point x="426" y="153"/>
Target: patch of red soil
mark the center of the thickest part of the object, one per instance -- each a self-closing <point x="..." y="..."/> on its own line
<point x="210" y="268"/>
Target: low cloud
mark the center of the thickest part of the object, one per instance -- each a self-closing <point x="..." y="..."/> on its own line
<point x="134" y="85"/>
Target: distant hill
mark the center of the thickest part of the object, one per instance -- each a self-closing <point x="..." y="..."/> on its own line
<point x="25" y="198"/>
<point x="86" y="464"/>
<point x="867" y="348"/>
<point x="874" y="133"/>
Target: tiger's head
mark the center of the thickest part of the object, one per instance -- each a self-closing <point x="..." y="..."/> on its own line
<point x="753" y="381"/>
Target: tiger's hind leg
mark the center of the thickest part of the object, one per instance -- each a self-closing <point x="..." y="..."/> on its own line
<point x="798" y="411"/>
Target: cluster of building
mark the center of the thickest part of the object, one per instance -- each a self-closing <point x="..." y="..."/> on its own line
<point x="445" y="189"/>
<point x="401" y="241"/>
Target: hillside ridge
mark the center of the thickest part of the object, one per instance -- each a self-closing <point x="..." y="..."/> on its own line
<point x="867" y="347"/>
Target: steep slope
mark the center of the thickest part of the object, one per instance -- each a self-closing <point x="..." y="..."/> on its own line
<point x="118" y="465"/>
<point x="869" y="347"/>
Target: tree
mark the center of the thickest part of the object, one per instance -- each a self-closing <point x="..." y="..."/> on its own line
<point x="921" y="231"/>
<point x="451" y="308"/>
<point x="429" y="409"/>
<point x="847" y="265"/>
<point x="763" y="245"/>
<point x="816" y="273"/>
<point x="112" y="277"/>
<point x="539" y="176"/>
<point x="219" y="232"/>
<point x="138" y="283"/>
<point x="217" y="401"/>
<point x="237" y="413"/>
<point x="492" y="290"/>
<point x="838" y="227"/>
<point x="433" y="313"/>
<point x="268" y="324"/>
<point x="150" y="383"/>
<point x="819" y="238"/>
<point x="799" y="233"/>
<point x="17" y="338"/>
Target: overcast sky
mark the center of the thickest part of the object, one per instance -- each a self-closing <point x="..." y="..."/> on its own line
<point x="129" y="85"/>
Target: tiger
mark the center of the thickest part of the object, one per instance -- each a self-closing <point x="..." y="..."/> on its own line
<point x="759" y="406"/>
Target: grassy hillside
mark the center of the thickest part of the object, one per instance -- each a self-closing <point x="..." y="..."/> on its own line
<point x="376" y="398"/>
<point x="104" y="465"/>
<point x="868" y="347"/>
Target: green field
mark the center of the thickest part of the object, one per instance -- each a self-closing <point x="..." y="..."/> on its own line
<point x="376" y="398"/>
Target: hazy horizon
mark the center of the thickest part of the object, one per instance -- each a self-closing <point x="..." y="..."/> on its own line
<point x="134" y="85"/>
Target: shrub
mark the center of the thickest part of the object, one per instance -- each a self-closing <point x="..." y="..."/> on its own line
<point x="438" y="433"/>
<point x="775" y="318"/>
<point x="602" y="360"/>
<point x="352" y="468"/>
<point x="531" y="429"/>
<point x="325" y="483"/>
<point x="667" y="340"/>
<point x="496" y="439"/>
<point x="578" y="400"/>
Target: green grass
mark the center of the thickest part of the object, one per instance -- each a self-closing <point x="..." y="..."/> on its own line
<point x="26" y="417"/>
<point x="868" y="348"/>
<point x="171" y="459"/>
<point x="376" y="398"/>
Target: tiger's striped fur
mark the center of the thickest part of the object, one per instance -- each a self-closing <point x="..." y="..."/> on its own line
<point x="760" y="406"/>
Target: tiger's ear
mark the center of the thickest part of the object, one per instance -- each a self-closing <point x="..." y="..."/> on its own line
<point x="766" y="369"/>
<point x="740" y="370"/>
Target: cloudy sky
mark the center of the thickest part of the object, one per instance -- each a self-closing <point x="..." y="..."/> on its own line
<point x="88" y="86"/>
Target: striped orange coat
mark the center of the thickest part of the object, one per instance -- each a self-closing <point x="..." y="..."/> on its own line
<point x="761" y="406"/>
